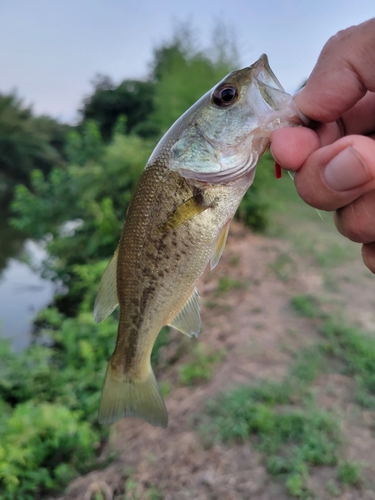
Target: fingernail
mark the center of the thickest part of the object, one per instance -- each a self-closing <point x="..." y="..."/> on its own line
<point x="347" y="170"/>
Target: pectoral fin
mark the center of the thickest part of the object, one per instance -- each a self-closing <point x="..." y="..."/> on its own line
<point x="106" y="300"/>
<point x="188" y="320"/>
<point x="220" y="244"/>
<point x="184" y="212"/>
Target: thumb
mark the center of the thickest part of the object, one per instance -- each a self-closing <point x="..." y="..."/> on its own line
<point x="335" y="175"/>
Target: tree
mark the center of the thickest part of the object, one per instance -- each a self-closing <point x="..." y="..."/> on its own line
<point x="132" y="99"/>
<point x="26" y="142"/>
<point x="183" y="73"/>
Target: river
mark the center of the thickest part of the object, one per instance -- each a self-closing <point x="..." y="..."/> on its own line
<point x="22" y="290"/>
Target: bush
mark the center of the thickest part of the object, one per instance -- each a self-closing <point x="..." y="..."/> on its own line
<point x="41" y="448"/>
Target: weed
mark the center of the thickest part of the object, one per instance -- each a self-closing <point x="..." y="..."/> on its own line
<point x="283" y="267"/>
<point x="131" y="492"/>
<point x="357" y="351"/>
<point x="308" y="363"/>
<point x="306" y="306"/>
<point x="332" y="488"/>
<point x="200" y="369"/>
<point x="348" y="473"/>
<point x="296" y="485"/>
<point x="226" y="284"/>
<point x="330" y="255"/>
<point x="293" y="438"/>
<point x="165" y="388"/>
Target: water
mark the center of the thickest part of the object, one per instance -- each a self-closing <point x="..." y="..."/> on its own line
<point x="22" y="291"/>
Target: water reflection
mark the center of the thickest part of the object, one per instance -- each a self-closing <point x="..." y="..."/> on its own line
<point x="22" y="291"/>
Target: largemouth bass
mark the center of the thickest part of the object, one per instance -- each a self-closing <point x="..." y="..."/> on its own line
<point x="177" y="222"/>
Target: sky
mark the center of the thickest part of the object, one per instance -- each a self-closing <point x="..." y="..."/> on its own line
<point x="50" y="51"/>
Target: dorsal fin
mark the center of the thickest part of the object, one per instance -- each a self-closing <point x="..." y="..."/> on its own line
<point x="188" y="320"/>
<point x="106" y="300"/>
<point x="220" y="244"/>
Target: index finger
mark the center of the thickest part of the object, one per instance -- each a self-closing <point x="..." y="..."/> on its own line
<point x="342" y="75"/>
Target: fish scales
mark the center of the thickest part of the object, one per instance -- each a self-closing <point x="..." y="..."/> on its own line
<point x="177" y="221"/>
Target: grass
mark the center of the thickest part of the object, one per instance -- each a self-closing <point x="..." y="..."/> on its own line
<point x="201" y="368"/>
<point x="348" y="473"/>
<point x="283" y="267"/>
<point x="312" y="232"/>
<point x="131" y="492"/>
<point x="353" y="348"/>
<point x="306" y="306"/>
<point x="282" y="419"/>
<point x="226" y="284"/>
<point x="293" y="438"/>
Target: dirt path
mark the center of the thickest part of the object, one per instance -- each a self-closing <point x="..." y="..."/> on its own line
<point x="247" y="318"/>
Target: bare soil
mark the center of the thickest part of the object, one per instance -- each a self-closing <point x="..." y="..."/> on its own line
<point x="254" y="325"/>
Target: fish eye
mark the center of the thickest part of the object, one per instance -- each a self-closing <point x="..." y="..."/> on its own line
<point x="225" y="95"/>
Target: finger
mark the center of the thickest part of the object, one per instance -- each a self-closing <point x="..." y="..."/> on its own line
<point x="356" y="221"/>
<point x="342" y="75"/>
<point x="368" y="256"/>
<point x="291" y="147"/>
<point x="360" y="119"/>
<point x="335" y="175"/>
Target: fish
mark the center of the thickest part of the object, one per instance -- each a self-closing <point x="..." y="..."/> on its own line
<point x="177" y="223"/>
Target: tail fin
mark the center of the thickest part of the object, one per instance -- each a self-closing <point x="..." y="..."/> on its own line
<point x="127" y="396"/>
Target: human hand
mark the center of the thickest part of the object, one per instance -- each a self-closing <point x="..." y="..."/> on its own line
<point x="335" y="163"/>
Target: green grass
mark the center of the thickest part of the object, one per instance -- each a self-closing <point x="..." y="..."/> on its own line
<point x="293" y="438"/>
<point x="357" y="352"/>
<point x="282" y="420"/>
<point x="201" y="368"/>
<point x="226" y="284"/>
<point x="349" y="473"/>
<point x="131" y="492"/>
<point x="306" y="306"/>
<point x="283" y="267"/>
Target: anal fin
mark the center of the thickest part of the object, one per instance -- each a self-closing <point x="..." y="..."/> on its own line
<point x="188" y="320"/>
<point x="220" y="244"/>
<point x="106" y="300"/>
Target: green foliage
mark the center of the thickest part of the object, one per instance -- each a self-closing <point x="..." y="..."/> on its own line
<point x="283" y="267"/>
<point x="81" y="148"/>
<point x="306" y="305"/>
<point x="26" y="142"/>
<point x="48" y="419"/>
<point x="280" y="419"/>
<point x="201" y="368"/>
<point x="293" y="439"/>
<point x="226" y="284"/>
<point x="183" y="73"/>
<point x="254" y="209"/>
<point x="348" y="473"/>
<point x="357" y="351"/>
<point x="42" y="446"/>
<point x="131" y="99"/>
<point x="79" y="210"/>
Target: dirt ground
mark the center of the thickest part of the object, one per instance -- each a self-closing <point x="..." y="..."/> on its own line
<point x="255" y="326"/>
